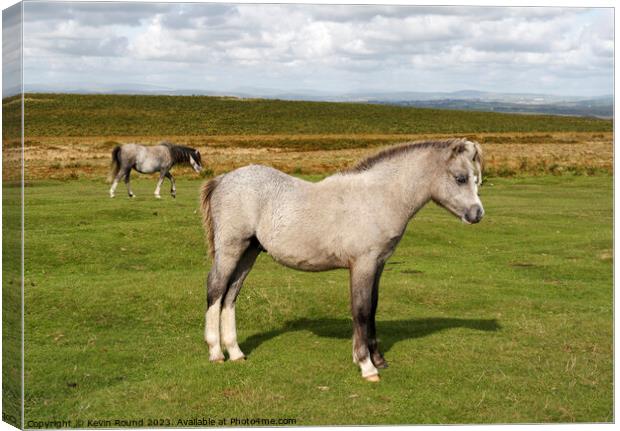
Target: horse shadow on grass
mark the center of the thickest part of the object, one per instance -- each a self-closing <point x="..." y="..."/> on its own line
<point x="389" y="332"/>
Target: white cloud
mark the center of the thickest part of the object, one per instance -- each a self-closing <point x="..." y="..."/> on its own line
<point x="266" y="45"/>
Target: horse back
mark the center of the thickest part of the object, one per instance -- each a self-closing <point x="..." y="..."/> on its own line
<point x="248" y="196"/>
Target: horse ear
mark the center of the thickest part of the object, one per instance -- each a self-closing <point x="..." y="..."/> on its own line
<point x="458" y="148"/>
<point x="478" y="159"/>
<point x="477" y="153"/>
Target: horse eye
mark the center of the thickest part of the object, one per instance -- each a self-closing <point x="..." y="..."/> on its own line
<point x="461" y="179"/>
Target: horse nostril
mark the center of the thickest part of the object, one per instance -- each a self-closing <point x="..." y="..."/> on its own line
<point x="474" y="215"/>
<point x="479" y="214"/>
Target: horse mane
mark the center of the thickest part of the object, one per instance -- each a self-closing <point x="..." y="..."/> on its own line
<point x="180" y="153"/>
<point x="398" y="150"/>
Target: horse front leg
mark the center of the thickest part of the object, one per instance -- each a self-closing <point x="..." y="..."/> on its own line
<point x="362" y="273"/>
<point x="173" y="186"/>
<point x="375" y="355"/>
<point x="162" y="175"/>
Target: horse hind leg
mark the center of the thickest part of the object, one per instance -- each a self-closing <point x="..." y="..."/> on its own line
<point x="117" y="178"/>
<point x="127" y="174"/>
<point x="224" y="264"/>
<point x="228" y="324"/>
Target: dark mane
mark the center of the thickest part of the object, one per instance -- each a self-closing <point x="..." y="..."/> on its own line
<point x="180" y="153"/>
<point x="397" y="150"/>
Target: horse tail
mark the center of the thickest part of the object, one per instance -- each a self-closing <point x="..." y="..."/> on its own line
<point x="115" y="166"/>
<point x="205" y="205"/>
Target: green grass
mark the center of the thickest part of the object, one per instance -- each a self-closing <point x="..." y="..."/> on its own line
<point x="107" y="115"/>
<point x="11" y="302"/>
<point x="506" y="321"/>
<point x="11" y="268"/>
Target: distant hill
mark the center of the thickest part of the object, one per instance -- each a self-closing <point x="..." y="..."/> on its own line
<point x="600" y="107"/>
<point x="525" y="103"/>
<point x="143" y="115"/>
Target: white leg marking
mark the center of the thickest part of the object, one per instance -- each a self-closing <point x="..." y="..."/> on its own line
<point x="212" y="332"/>
<point x="159" y="181"/>
<point x="229" y="333"/>
<point x="368" y="369"/>
<point x="113" y="188"/>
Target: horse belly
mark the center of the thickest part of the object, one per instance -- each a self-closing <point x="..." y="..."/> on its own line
<point x="302" y="256"/>
<point x="147" y="167"/>
<point x="306" y="263"/>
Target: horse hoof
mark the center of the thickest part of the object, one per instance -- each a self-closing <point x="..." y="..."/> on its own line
<point x="381" y="365"/>
<point x="217" y="361"/>
<point x="374" y="378"/>
<point x="239" y="359"/>
<point x="157" y="197"/>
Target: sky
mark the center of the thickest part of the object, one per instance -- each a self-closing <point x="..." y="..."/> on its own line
<point x="320" y="48"/>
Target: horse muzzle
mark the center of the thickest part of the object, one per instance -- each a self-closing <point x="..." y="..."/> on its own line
<point x="474" y="214"/>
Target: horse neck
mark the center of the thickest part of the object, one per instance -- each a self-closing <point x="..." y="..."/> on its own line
<point x="406" y="180"/>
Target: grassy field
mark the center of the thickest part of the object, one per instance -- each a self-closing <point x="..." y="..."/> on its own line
<point x="506" y="321"/>
<point x="71" y="136"/>
<point x="103" y="115"/>
<point x="11" y="304"/>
